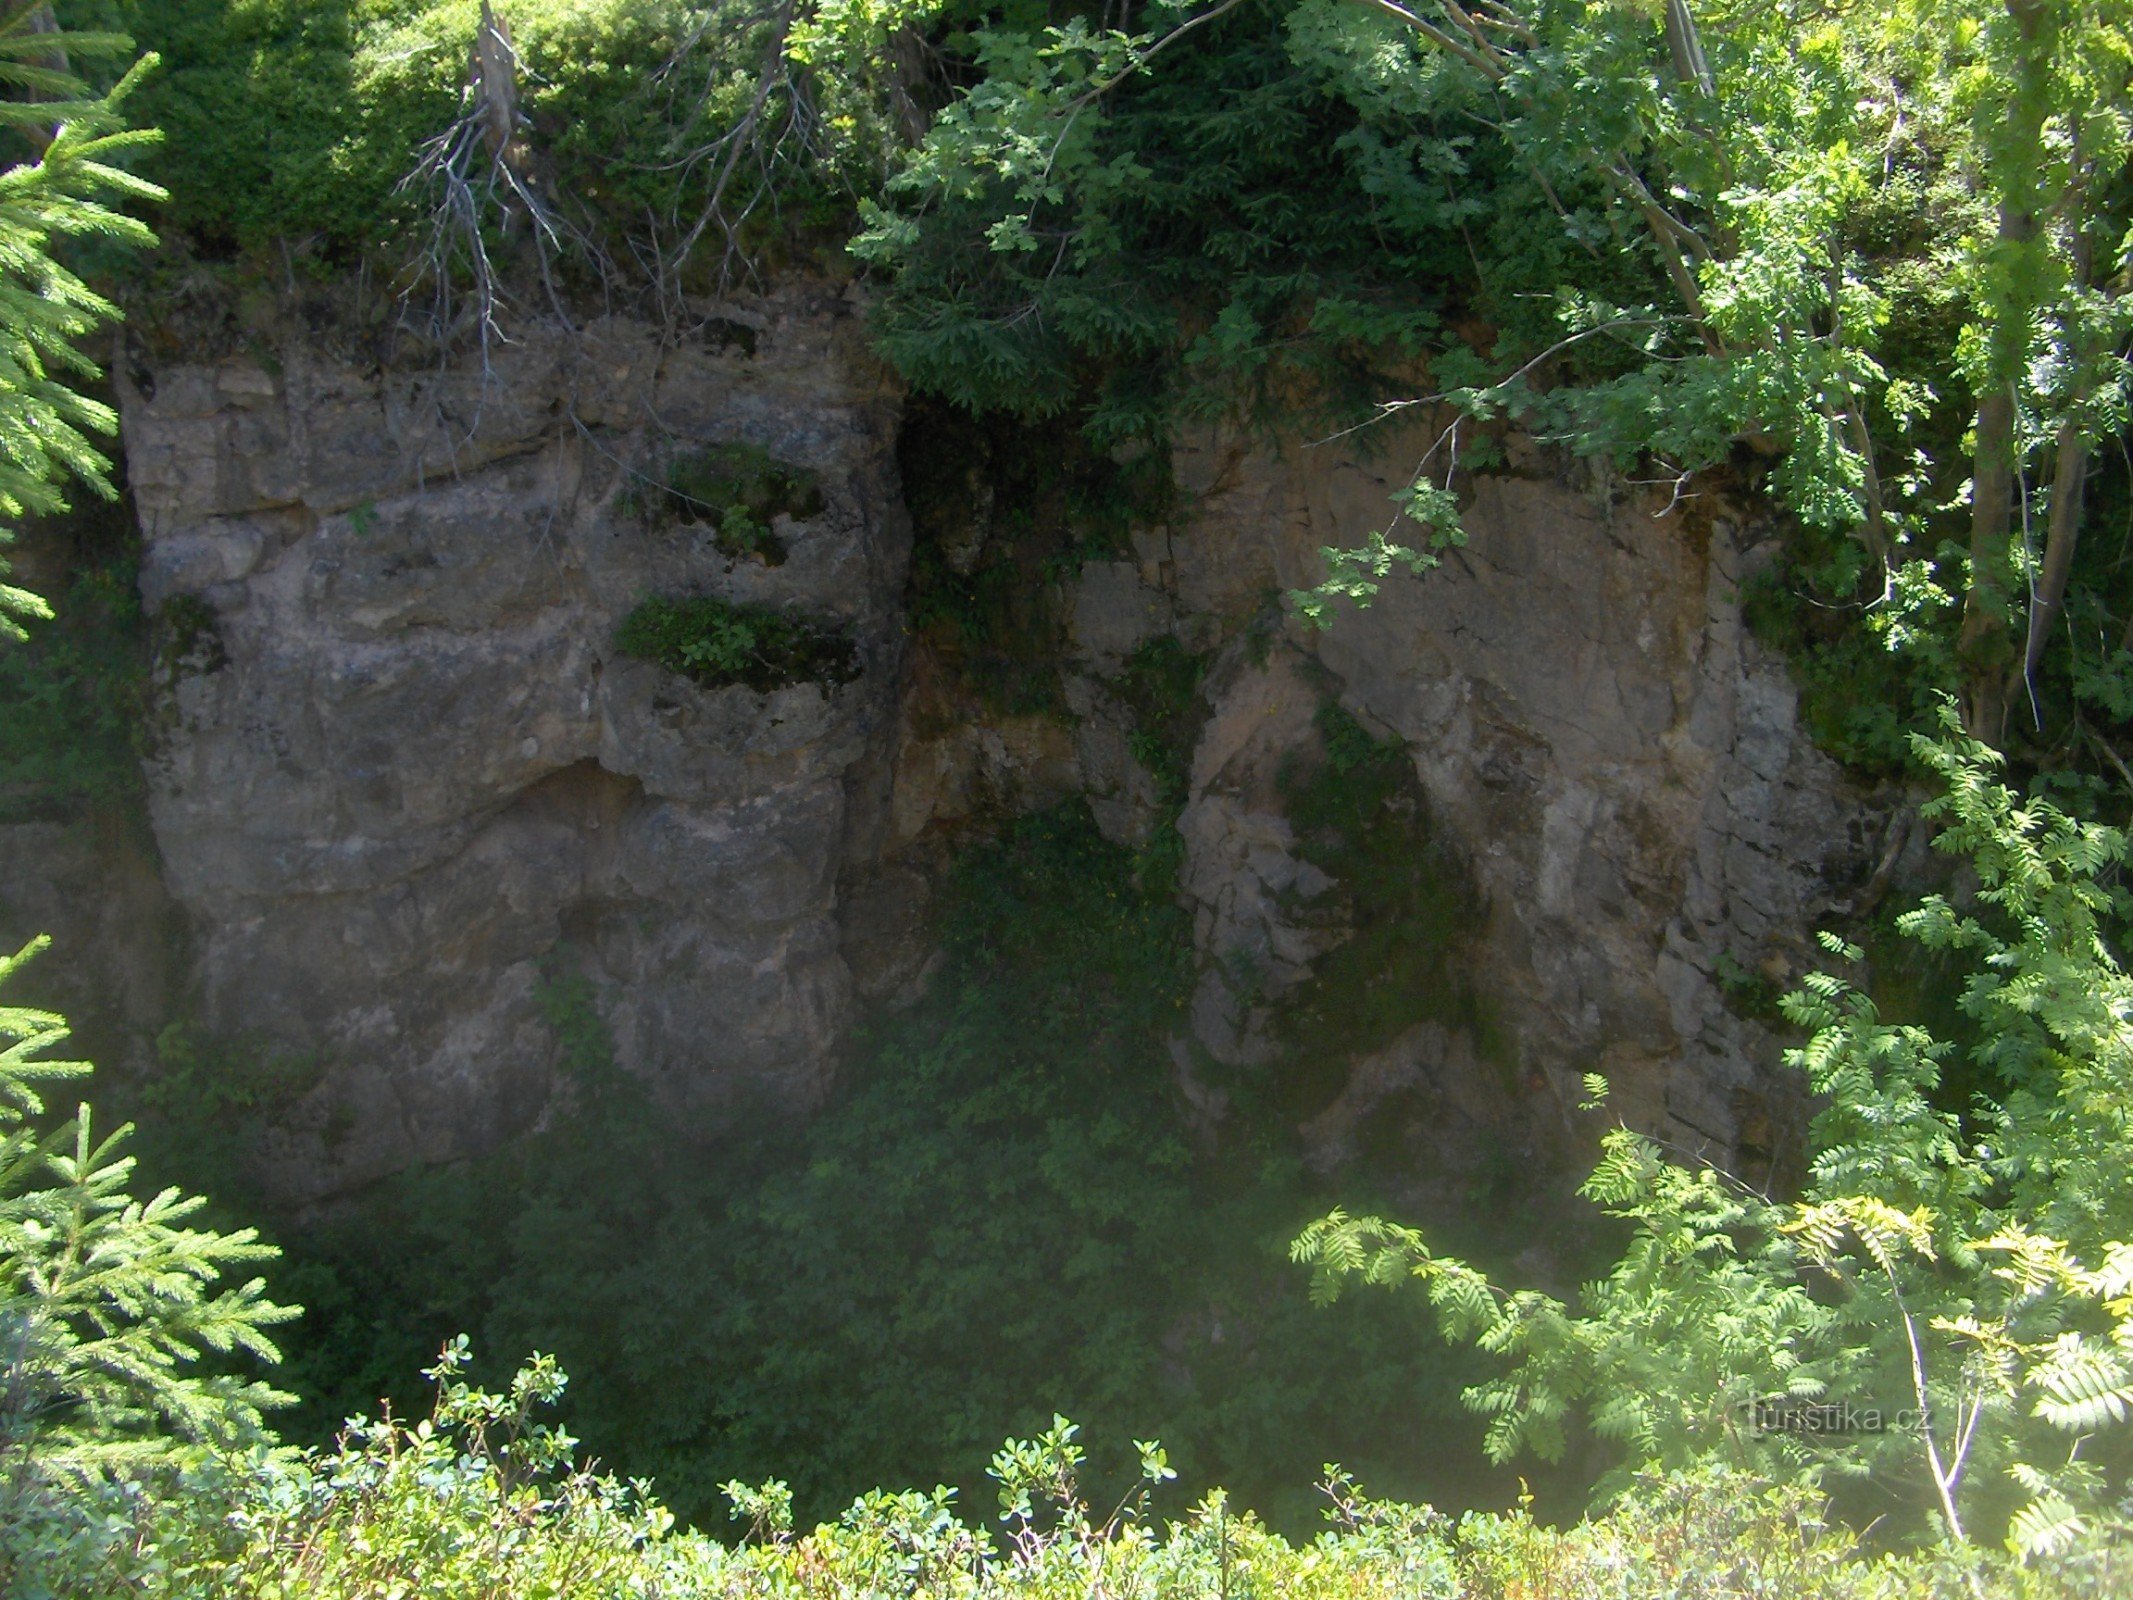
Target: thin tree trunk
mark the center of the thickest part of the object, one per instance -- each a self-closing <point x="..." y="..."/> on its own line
<point x="41" y="20"/>
<point x="495" y="78"/>
<point x="1983" y="647"/>
<point x="2070" y="459"/>
<point x="1685" y="44"/>
<point x="1985" y="650"/>
<point x="2068" y="479"/>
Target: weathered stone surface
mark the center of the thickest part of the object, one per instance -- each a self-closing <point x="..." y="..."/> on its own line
<point x="114" y="968"/>
<point x="410" y="768"/>
<point x="1597" y="736"/>
<point x="1243" y="874"/>
<point x="401" y="766"/>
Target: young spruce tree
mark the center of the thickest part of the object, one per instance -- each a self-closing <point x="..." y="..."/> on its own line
<point x="108" y="1302"/>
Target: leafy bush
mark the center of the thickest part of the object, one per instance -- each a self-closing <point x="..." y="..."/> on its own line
<point x="482" y="1500"/>
<point x="1965" y="1277"/>
<point x="717" y="642"/>
<point x="294" y="121"/>
<point x="1131" y="249"/>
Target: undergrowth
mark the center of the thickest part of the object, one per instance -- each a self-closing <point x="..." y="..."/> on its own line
<point x="997" y="1217"/>
<point x="70" y="741"/>
<point x="484" y="1497"/>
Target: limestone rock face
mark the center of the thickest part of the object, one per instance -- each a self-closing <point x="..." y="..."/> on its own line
<point x="1614" y="762"/>
<point x="401" y="764"/>
<point x="404" y="780"/>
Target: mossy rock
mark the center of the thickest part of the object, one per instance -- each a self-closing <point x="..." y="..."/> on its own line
<point x="717" y="644"/>
<point x="189" y="638"/>
<point x="1160" y="686"/>
<point x="1003" y="513"/>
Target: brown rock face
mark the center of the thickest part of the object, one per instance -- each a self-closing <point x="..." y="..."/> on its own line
<point x="1611" y="760"/>
<point x="402" y="767"/>
<point x="403" y="763"/>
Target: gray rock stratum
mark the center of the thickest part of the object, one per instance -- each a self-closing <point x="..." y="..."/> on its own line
<point x="400" y="764"/>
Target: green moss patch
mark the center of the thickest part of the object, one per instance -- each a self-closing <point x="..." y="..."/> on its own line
<point x="1161" y="688"/>
<point x="717" y="643"/>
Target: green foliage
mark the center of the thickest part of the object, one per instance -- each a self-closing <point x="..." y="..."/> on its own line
<point x="268" y="133"/>
<point x="479" y="1498"/>
<point x="738" y="490"/>
<point x="295" y="122"/>
<point x="114" y="1315"/>
<point x="1077" y="234"/>
<point x="119" y="1338"/>
<point x="57" y="197"/>
<point x="1160" y="690"/>
<point x="1968" y="1274"/>
<point x="718" y="642"/>
<point x="69" y="744"/>
<point x="1835" y="241"/>
<point x="482" y="1500"/>
<point x="997" y="1216"/>
<point x="1863" y="688"/>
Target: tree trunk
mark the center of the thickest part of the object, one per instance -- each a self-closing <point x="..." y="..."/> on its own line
<point x="1685" y="44"/>
<point x="1985" y="651"/>
<point x="2068" y="479"/>
<point x="1983" y="648"/>
<point x="41" y="20"/>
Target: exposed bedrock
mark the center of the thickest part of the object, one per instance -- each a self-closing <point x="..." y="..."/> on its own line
<point x="1605" y="757"/>
<point x="402" y="769"/>
<point x="401" y="762"/>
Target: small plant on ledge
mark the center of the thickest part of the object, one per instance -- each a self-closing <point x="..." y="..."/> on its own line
<point x="717" y="643"/>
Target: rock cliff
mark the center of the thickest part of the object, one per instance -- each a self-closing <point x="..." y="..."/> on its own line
<point x="401" y="767"/>
<point x="400" y="762"/>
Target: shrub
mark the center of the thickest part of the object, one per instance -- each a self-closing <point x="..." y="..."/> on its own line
<point x="480" y="1500"/>
<point x="718" y="643"/>
<point x="1967" y="1277"/>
